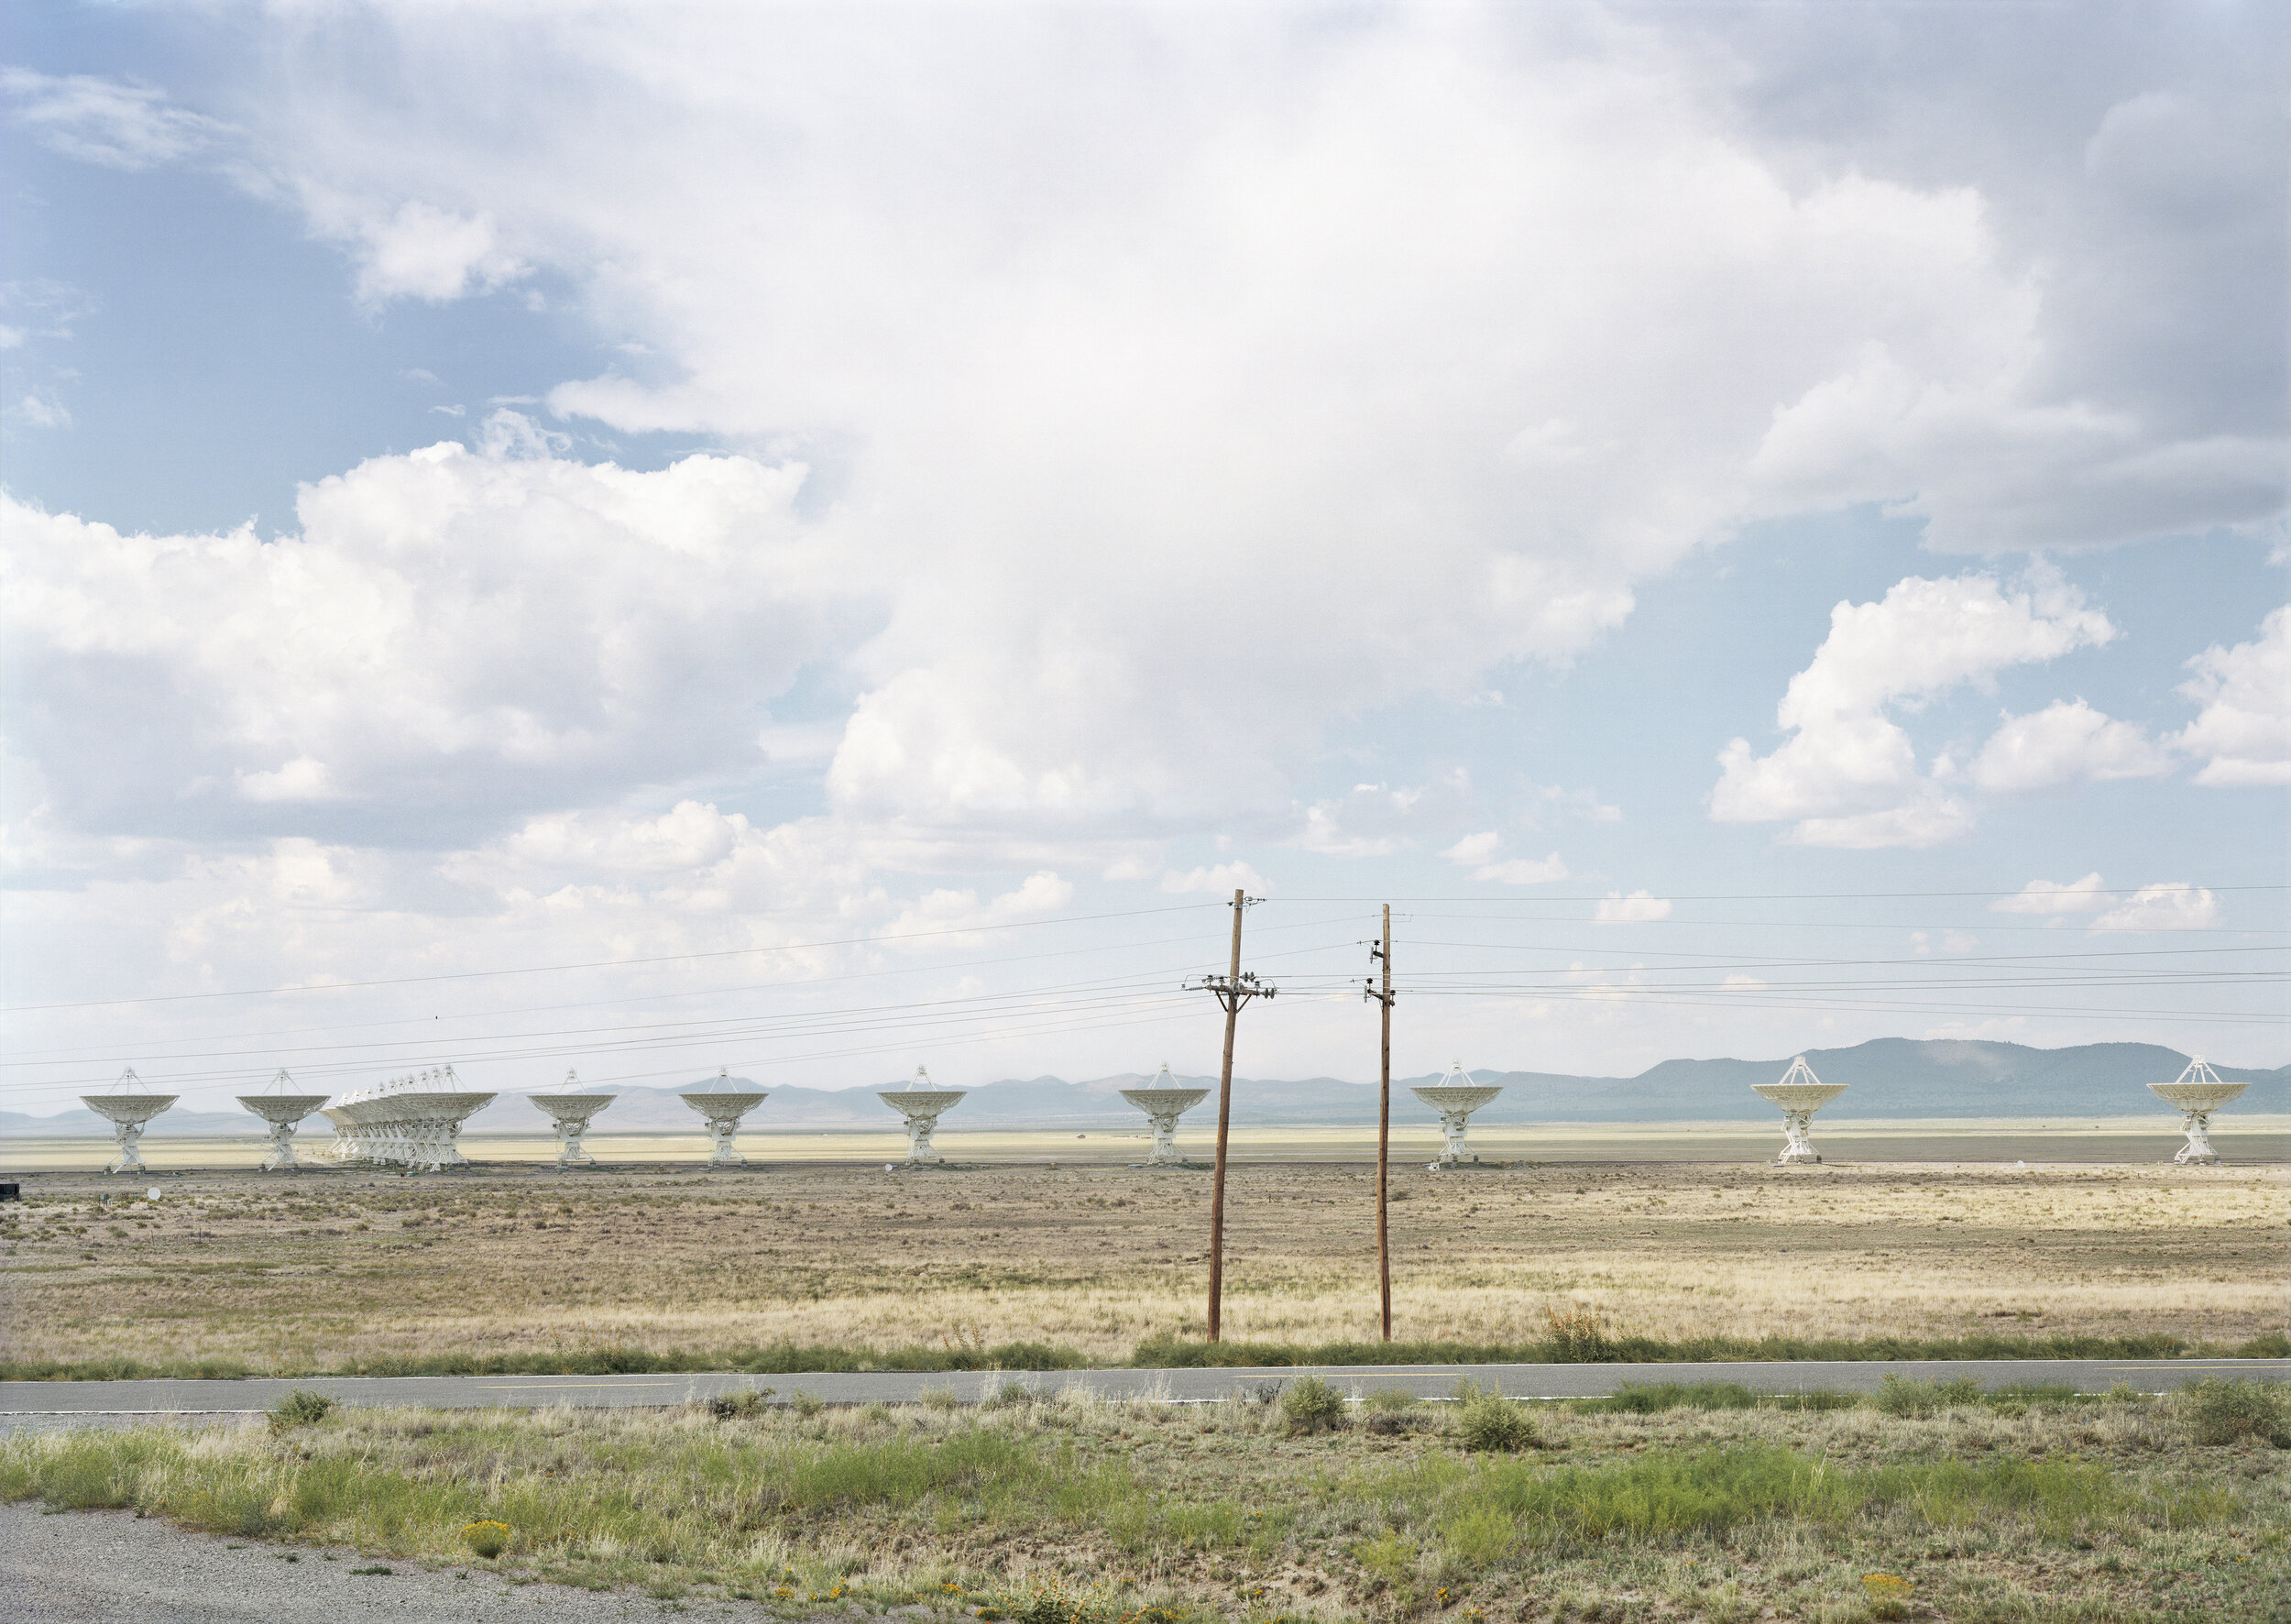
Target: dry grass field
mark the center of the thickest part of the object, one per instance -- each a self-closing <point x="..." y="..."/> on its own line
<point x="2245" y="1137"/>
<point x="335" y="1271"/>
<point x="2034" y="1508"/>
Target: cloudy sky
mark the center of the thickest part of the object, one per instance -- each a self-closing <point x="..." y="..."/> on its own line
<point x="815" y="539"/>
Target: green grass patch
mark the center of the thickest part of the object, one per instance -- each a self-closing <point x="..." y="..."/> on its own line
<point x="772" y="1359"/>
<point x="1662" y="1496"/>
<point x="1665" y="1496"/>
<point x="1041" y="1507"/>
<point x="2229" y="1412"/>
<point x="1172" y="1352"/>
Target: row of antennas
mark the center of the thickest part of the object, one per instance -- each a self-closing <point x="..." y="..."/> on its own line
<point x="439" y="1079"/>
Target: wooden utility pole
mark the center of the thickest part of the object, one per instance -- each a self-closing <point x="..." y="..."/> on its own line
<point x="1383" y="1121"/>
<point x="1234" y="990"/>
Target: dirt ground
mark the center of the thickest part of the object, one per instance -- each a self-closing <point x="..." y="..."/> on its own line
<point x="304" y="1273"/>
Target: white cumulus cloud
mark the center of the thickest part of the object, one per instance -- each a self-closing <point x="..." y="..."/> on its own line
<point x="2066" y="742"/>
<point x="421" y="252"/>
<point x="1639" y="907"/>
<point x="469" y="634"/>
<point x="2163" y="907"/>
<point x="2245" y="726"/>
<point x="1124" y="327"/>
<point x="2052" y="899"/>
<point x="2171" y="905"/>
<point x="1849" y="775"/>
<point x="1222" y="878"/>
<point x="1482" y="854"/>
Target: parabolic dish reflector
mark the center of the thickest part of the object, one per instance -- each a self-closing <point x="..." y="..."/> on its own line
<point x="1800" y="1096"/>
<point x="282" y="1108"/>
<point x="1155" y="1101"/>
<point x="1443" y="1096"/>
<point x="2198" y="1096"/>
<point x="128" y="1107"/>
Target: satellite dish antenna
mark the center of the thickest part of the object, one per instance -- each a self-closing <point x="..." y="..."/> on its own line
<point x="570" y="1111"/>
<point x="128" y="1104"/>
<point x="1455" y="1097"/>
<point x="2198" y="1092"/>
<point x="1163" y="1102"/>
<point x="283" y="1106"/>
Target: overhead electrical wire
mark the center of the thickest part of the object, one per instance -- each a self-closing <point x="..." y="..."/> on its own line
<point x="1146" y="997"/>
<point x="1728" y="895"/>
<point x="699" y="954"/>
<point x="1138" y="981"/>
<point x="684" y="1032"/>
<point x="620" y="1000"/>
<point x="471" y="975"/>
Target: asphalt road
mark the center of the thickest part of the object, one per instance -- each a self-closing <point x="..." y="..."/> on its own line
<point x="110" y="1567"/>
<point x="41" y="1405"/>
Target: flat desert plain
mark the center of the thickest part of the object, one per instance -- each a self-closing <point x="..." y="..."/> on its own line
<point x="332" y="1269"/>
<point x="2247" y="1138"/>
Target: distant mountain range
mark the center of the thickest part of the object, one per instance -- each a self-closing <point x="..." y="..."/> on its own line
<point x="1891" y="1077"/>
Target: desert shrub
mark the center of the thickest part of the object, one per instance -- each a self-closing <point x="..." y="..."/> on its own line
<point x="938" y="1399"/>
<point x="1388" y="1556"/>
<point x="1391" y="1409"/>
<point x="299" y="1408"/>
<point x="1652" y="1398"/>
<point x="2229" y="1412"/>
<point x="747" y="1403"/>
<point x="1482" y="1536"/>
<point x="1044" y="1601"/>
<point x="1011" y="1395"/>
<point x="1906" y="1396"/>
<point x="1819" y="1398"/>
<point x="1032" y="1356"/>
<point x="1487" y="1422"/>
<point x="1889" y="1595"/>
<point x="806" y="1405"/>
<point x="1578" y="1334"/>
<point x="487" y="1538"/>
<point x="1311" y="1405"/>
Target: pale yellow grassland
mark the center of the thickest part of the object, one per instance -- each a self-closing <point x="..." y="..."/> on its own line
<point x="316" y="1271"/>
<point x="2242" y="1139"/>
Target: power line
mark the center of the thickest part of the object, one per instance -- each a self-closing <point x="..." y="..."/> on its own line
<point x="604" y="1035"/>
<point x="1515" y="902"/>
<point x="1741" y="896"/>
<point x="469" y="975"/>
<point x="626" y="999"/>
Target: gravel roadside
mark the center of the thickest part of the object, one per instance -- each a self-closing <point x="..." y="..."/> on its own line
<point x="112" y="1567"/>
